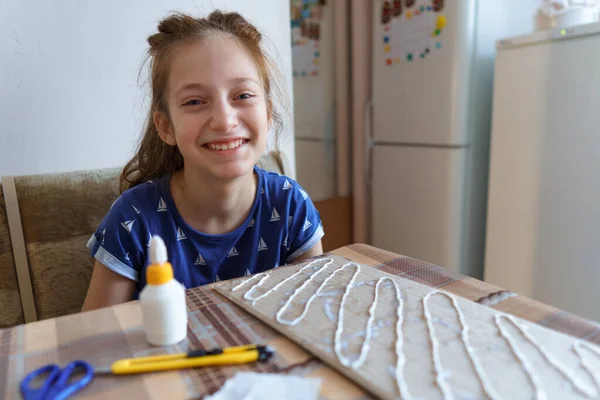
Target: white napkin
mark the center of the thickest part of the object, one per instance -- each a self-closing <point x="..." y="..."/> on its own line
<point x="257" y="386"/>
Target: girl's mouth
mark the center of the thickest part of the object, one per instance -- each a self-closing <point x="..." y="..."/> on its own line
<point x="225" y="146"/>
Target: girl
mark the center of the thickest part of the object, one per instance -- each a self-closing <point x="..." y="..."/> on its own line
<point x="193" y="180"/>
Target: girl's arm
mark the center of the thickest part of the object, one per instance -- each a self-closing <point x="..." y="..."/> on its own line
<point x="107" y="288"/>
<point x="314" y="251"/>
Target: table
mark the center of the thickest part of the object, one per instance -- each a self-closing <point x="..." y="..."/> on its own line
<point x="108" y="334"/>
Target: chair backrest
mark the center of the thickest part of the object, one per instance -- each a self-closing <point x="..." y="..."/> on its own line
<point x="11" y="311"/>
<point x="59" y="213"/>
<point x="274" y="161"/>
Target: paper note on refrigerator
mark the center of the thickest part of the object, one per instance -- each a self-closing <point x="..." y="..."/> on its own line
<point x="306" y="36"/>
<point x="412" y="29"/>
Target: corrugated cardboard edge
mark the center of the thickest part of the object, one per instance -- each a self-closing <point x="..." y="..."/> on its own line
<point x="18" y="246"/>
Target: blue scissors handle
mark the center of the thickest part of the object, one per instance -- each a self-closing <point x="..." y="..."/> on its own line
<point x="56" y="385"/>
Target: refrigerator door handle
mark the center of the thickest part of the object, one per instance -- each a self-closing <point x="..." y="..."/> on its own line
<point x="369" y="142"/>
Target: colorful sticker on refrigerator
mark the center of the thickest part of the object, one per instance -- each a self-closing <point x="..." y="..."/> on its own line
<point x="306" y="36"/>
<point x="413" y="29"/>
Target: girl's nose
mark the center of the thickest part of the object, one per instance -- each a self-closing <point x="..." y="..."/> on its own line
<point x="223" y="116"/>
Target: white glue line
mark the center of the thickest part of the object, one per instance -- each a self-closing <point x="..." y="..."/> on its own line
<point x="253" y="277"/>
<point x="312" y="298"/>
<point x="274" y="288"/>
<point x="539" y="391"/>
<point x="577" y="346"/>
<point x="365" y="347"/>
<point x="577" y="383"/>
<point x="437" y="363"/>
<point x="485" y="383"/>
<point x="400" y="359"/>
<point x="340" y="327"/>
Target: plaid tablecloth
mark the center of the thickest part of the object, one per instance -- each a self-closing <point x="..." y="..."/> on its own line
<point x="103" y="336"/>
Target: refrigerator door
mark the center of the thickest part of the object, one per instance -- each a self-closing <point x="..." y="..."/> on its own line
<point x="421" y="68"/>
<point x="315" y="169"/>
<point x="418" y="194"/>
<point x="313" y="64"/>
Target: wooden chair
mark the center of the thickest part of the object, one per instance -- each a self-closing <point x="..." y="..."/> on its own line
<point x="58" y="214"/>
<point x="11" y="311"/>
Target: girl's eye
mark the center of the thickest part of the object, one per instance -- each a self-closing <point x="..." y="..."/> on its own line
<point x="193" y="103"/>
<point x="245" y="96"/>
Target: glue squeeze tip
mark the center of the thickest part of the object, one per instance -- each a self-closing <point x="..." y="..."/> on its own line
<point x="158" y="250"/>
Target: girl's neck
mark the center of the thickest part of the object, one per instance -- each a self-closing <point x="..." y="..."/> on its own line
<point x="210" y="205"/>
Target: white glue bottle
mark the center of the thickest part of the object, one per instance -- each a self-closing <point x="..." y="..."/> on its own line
<point x="164" y="311"/>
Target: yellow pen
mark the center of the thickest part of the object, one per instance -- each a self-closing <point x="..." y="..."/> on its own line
<point x="199" y="358"/>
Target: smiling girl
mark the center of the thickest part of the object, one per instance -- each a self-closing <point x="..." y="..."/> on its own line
<point x="194" y="179"/>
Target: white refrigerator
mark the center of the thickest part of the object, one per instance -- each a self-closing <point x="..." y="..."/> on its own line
<point x="544" y="208"/>
<point x="313" y="63"/>
<point x="428" y="126"/>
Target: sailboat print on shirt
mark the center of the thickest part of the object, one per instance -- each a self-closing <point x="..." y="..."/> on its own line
<point x="262" y="245"/>
<point x="180" y="234"/>
<point x="200" y="260"/>
<point x="275" y="215"/>
<point x="287" y="185"/>
<point x="218" y="279"/>
<point x="233" y="252"/>
<point x="162" y="206"/>
<point x="307" y="224"/>
<point x="251" y="223"/>
<point x="303" y="193"/>
<point x="136" y="210"/>
<point x="103" y="234"/>
<point x="128" y="225"/>
<point x="247" y="272"/>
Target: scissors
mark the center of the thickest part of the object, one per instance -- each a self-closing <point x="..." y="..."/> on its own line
<point x="58" y="384"/>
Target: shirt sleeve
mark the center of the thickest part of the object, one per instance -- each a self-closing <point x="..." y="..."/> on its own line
<point x="118" y="242"/>
<point x="305" y="228"/>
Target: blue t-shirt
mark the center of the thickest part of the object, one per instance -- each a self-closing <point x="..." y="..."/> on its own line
<point x="282" y="225"/>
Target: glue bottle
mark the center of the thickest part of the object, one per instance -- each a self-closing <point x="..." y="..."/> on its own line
<point x="164" y="310"/>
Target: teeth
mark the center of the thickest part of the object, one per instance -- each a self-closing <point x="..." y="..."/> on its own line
<point x="226" y="146"/>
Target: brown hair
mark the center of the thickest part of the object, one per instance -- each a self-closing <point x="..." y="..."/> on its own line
<point x="155" y="158"/>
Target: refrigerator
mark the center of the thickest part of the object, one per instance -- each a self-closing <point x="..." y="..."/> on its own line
<point x="428" y="125"/>
<point x="313" y="64"/>
<point x="543" y="212"/>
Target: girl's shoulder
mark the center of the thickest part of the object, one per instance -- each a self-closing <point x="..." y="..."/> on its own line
<point x="146" y="198"/>
<point x="122" y="237"/>
<point x="284" y="199"/>
<point x="279" y="187"/>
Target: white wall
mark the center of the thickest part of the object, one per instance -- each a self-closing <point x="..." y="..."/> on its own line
<point x="69" y="93"/>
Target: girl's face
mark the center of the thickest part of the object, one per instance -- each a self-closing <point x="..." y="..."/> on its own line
<point x="218" y="109"/>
